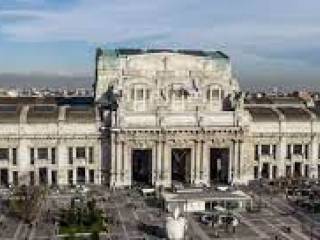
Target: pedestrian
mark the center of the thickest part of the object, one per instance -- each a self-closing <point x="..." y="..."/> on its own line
<point x="235" y="223"/>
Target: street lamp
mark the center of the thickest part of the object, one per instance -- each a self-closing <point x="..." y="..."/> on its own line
<point x="312" y="219"/>
<point x="260" y="193"/>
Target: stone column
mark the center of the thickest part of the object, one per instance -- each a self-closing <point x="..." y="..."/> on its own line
<point x="201" y="160"/>
<point x="206" y="163"/>
<point x="231" y="166"/>
<point x="166" y="165"/>
<point x="232" y="160"/>
<point x="193" y="160"/>
<point x="281" y="157"/>
<point x="313" y="156"/>
<point x="198" y="161"/>
<point x="10" y="177"/>
<point x="240" y="155"/>
<point x="159" y="160"/>
<point x="113" y="161"/>
<point x="126" y="163"/>
<point x="86" y="175"/>
<point x="49" y="176"/>
<point x="259" y="169"/>
<point x="154" y="164"/>
<point x="236" y="160"/>
<point x="260" y="164"/>
<point x="36" y="176"/>
<point x="74" y="178"/>
<point x="129" y="166"/>
<point x="270" y="171"/>
<point x="119" y="167"/>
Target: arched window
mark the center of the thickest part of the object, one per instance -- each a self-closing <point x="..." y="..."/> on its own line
<point x="178" y="92"/>
<point x="140" y="93"/>
<point x="214" y="93"/>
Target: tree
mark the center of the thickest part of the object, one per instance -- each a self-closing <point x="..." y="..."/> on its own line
<point x="95" y="235"/>
<point x="25" y="201"/>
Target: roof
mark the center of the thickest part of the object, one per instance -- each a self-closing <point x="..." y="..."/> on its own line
<point x="263" y="114"/>
<point x="46" y="109"/>
<point x="295" y="113"/>
<point x="137" y="51"/>
<point x="9" y="113"/>
<point x="81" y="114"/>
<point x="46" y="100"/>
<point x="316" y="111"/>
<point x="210" y="195"/>
<point x="43" y="114"/>
<point x="274" y="100"/>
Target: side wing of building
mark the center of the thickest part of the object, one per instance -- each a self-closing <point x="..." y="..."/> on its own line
<point x="286" y="137"/>
<point x="52" y="141"/>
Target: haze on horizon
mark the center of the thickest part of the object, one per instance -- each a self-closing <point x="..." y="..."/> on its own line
<point x="52" y="42"/>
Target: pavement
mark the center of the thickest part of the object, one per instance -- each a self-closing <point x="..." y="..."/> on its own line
<point x="136" y="217"/>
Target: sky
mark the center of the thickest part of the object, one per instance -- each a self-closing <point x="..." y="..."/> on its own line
<point x="271" y="43"/>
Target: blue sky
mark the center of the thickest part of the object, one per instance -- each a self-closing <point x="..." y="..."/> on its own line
<point x="271" y="42"/>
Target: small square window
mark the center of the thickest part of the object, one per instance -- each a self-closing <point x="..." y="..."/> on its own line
<point x="53" y="155"/>
<point x="90" y="154"/>
<point x="70" y="177"/>
<point x="31" y="156"/>
<point x="14" y="156"/>
<point x="256" y="152"/>
<point x="42" y="153"/>
<point x="4" y="153"/>
<point x="288" y="151"/>
<point x="297" y="149"/>
<point x="80" y="152"/>
<point x="265" y="149"/>
<point x="70" y="153"/>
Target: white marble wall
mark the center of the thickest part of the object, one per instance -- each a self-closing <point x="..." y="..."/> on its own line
<point x="60" y="135"/>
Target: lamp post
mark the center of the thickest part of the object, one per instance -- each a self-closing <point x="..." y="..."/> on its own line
<point x="312" y="219"/>
<point x="260" y="193"/>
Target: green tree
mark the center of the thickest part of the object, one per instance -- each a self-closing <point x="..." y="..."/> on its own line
<point x="25" y="201"/>
<point x="95" y="235"/>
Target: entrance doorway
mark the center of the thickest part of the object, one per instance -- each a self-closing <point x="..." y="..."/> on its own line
<point x="43" y="176"/>
<point x="274" y="172"/>
<point x="81" y="175"/>
<point x="4" y="177"/>
<point x="181" y="165"/>
<point x="306" y="171"/>
<point x="265" y="173"/>
<point x="288" y="171"/>
<point x="142" y="166"/>
<point x="297" y="169"/>
<point x="219" y="165"/>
